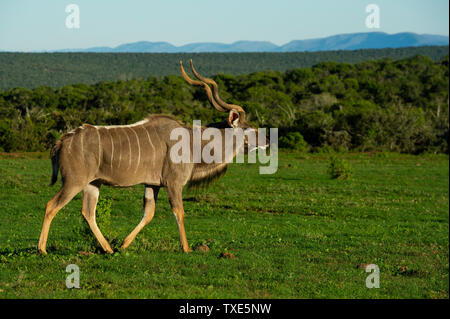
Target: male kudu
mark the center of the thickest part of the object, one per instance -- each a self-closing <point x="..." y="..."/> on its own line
<point x="127" y="155"/>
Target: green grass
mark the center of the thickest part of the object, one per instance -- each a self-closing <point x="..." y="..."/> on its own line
<point x="295" y="234"/>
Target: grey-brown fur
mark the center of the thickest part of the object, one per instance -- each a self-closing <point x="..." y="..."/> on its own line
<point x="121" y="156"/>
<point x="126" y="155"/>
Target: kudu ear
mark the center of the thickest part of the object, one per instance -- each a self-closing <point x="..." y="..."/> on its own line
<point x="233" y="118"/>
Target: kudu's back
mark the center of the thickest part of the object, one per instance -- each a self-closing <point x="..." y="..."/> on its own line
<point x="121" y="155"/>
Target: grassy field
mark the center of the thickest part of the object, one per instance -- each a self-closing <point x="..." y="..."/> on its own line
<point x="295" y="234"/>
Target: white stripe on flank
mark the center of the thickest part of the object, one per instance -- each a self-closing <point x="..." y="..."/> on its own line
<point x="112" y="149"/>
<point x="151" y="144"/>
<point x="120" y="148"/>
<point x="73" y="136"/>
<point x="159" y="140"/>
<point x="139" y="149"/>
<point x="129" y="146"/>
<point x="99" y="147"/>
<point x="82" y="150"/>
<point x="70" y="144"/>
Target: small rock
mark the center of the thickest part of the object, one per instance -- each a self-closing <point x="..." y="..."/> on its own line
<point x="203" y="247"/>
<point x="403" y="269"/>
<point x="227" y="255"/>
<point x="362" y="266"/>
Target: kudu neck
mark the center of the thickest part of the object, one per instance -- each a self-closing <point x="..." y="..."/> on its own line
<point x="217" y="139"/>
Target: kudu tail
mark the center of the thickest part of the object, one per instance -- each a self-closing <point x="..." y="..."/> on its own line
<point x="54" y="155"/>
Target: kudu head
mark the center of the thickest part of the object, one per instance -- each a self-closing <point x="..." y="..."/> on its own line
<point x="236" y="114"/>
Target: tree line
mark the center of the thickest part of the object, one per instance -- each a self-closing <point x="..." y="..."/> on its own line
<point x="31" y="70"/>
<point x="382" y="105"/>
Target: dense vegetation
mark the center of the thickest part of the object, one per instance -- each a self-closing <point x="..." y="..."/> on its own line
<point x="394" y="105"/>
<point x="30" y="70"/>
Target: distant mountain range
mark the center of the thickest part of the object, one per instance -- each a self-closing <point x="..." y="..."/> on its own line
<point x="350" y="41"/>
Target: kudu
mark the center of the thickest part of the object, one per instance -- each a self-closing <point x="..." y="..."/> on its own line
<point x="127" y="155"/>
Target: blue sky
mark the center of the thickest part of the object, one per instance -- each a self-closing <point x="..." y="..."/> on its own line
<point x="29" y="25"/>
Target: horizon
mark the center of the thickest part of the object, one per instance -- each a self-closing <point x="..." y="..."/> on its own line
<point x="28" y="26"/>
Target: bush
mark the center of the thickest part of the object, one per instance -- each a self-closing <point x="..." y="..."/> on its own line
<point x="339" y="168"/>
<point x="103" y="216"/>
<point x="293" y="141"/>
<point x="103" y="219"/>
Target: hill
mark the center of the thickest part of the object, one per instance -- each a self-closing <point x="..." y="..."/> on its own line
<point x="369" y="40"/>
<point x="350" y="41"/>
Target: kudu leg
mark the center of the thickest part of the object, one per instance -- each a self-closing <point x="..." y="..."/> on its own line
<point x="150" y="196"/>
<point x="176" y="202"/>
<point x="61" y="198"/>
<point x="90" y="199"/>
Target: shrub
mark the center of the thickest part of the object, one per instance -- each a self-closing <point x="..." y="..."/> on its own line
<point x="103" y="219"/>
<point x="293" y="141"/>
<point x="103" y="216"/>
<point x="339" y="168"/>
